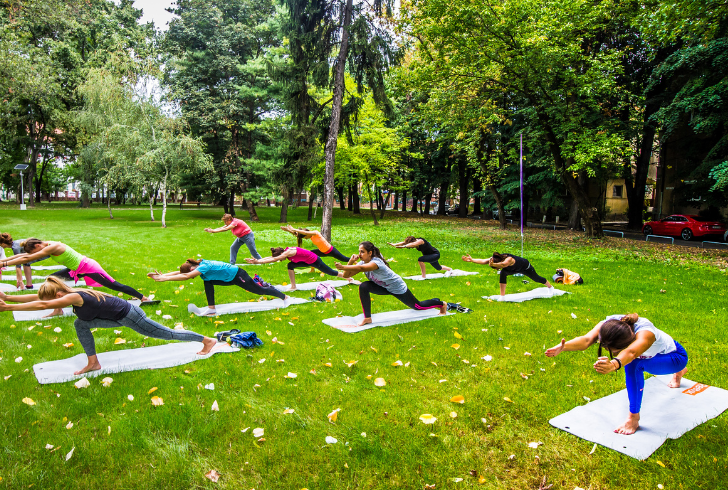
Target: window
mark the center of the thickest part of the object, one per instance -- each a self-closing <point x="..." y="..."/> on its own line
<point x="617" y="191"/>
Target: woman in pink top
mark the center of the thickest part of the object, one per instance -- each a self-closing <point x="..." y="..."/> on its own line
<point x="243" y="234"/>
<point x="298" y="257"/>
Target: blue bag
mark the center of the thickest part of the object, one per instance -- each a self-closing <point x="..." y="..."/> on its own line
<point x="246" y="340"/>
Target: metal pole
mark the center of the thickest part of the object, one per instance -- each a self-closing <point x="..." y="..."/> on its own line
<point x="21" y="190"/>
<point x="521" y="166"/>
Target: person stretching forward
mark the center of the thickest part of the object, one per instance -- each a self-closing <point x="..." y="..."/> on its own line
<point x="510" y="264"/>
<point x="636" y="344"/>
<point x="243" y="234"/>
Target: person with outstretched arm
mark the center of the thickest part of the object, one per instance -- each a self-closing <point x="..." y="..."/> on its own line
<point x="382" y="281"/>
<point x="215" y="273"/>
<point x="510" y="264"/>
<point x="297" y="257"/>
<point x="637" y="345"/>
<point x="323" y="247"/>
<point x="76" y="266"/>
<point x="430" y="255"/>
<point x="95" y="309"/>
<point x="6" y="241"/>
<point x="243" y="235"/>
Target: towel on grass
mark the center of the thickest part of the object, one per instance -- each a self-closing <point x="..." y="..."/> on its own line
<point x="527" y="295"/>
<point x="453" y="273"/>
<point x="34" y="316"/>
<point x="119" y="361"/>
<point x="231" y="308"/>
<point x="387" y="319"/>
<point x="667" y="413"/>
<point x="311" y="286"/>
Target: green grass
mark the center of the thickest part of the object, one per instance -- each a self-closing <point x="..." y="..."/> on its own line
<point x="173" y="446"/>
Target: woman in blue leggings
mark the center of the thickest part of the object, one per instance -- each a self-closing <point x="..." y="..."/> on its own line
<point x="640" y="347"/>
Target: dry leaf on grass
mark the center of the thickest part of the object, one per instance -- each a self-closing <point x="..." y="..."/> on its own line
<point x="119" y="340"/>
<point x="507" y="399"/>
<point x="397" y="363"/>
<point x="106" y="382"/>
<point x="69" y="426"/>
<point x="455" y="346"/>
<point x="82" y="383"/>
<point x="453" y="415"/>
<point x="288" y="411"/>
<point x="351" y="363"/>
<point x="458" y="399"/>
<point x="291" y="375"/>
<point x="334" y="415"/>
<point x="157" y="402"/>
<point x="331" y="440"/>
<point x="380" y="382"/>
<point x="70" y="453"/>
<point x="457" y="335"/>
<point x="152" y="390"/>
<point x="68" y="345"/>
<point x="213" y="476"/>
<point x="258" y="432"/>
<point x="214" y="407"/>
<point x="28" y="401"/>
<point x="428" y="419"/>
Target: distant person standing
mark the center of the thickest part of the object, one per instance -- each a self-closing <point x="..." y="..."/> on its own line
<point x="243" y="234"/>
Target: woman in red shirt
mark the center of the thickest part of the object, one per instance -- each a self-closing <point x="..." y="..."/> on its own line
<point x="243" y="234"/>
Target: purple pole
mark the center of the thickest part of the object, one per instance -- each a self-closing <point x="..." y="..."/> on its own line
<point x="521" y="165"/>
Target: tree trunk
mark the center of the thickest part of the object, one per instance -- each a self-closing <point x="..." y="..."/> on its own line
<point x="574" y="217"/>
<point x="108" y="204"/>
<point x="330" y="150"/>
<point x="404" y="200"/>
<point x="151" y="206"/>
<point x="636" y="185"/>
<point x="350" y="200"/>
<point x="164" y="199"/>
<point x="312" y="197"/>
<point x="231" y="203"/>
<point x="500" y="205"/>
<point x="442" y="202"/>
<point x="428" y="198"/>
<point x="395" y="204"/>
<point x="477" y="187"/>
<point x="342" y="202"/>
<point x="415" y="200"/>
<point x="463" y="174"/>
<point x="356" y="198"/>
<point x="384" y="205"/>
<point x="371" y="203"/>
<point x="284" y="205"/>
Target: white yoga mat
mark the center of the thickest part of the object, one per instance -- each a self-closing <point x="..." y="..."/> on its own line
<point x="10" y="288"/>
<point x="13" y="278"/>
<point x="119" y="361"/>
<point x="453" y="273"/>
<point x="47" y="267"/>
<point x="667" y="413"/>
<point x="527" y="295"/>
<point x="230" y="308"/>
<point x="311" y="286"/>
<point x="34" y="316"/>
<point x="245" y="264"/>
<point x="387" y="319"/>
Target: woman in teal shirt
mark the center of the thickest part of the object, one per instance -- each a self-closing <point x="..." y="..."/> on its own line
<point x="216" y="273"/>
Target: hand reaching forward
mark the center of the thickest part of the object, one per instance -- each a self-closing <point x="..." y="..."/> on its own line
<point x="556" y="350"/>
<point x="467" y="258"/>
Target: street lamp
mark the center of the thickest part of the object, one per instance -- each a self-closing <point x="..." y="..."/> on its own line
<point x="21" y="167"/>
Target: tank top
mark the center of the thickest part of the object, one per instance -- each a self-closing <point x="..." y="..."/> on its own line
<point x="109" y="308"/>
<point x="426" y="248"/>
<point x="69" y="258"/>
<point x="521" y="264"/>
<point x="303" y="255"/>
<point x="321" y="243"/>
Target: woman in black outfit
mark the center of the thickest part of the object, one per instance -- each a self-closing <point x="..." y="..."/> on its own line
<point x="430" y="255"/>
<point x="510" y="264"/>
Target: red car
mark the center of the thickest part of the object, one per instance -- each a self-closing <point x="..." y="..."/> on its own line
<point x="685" y="226"/>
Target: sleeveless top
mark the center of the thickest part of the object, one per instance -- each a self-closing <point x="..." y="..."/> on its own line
<point x="521" y="264"/>
<point x="321" y="243"/>
<point x="69" y="258"/>
<point x="426" y="248"/>
<point x="303" y="255"/>
<point x="110" y="308"/>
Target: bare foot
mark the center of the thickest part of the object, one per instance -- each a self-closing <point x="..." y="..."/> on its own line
<point x="57" y="312"/>
<point x="443" y="309"/>
<point x="630" y="426"/>
<point x="446" y="268"/>
<point x="207" y="345"/>
<point x="292" y="288"/>
<point x="424" y="276"/>
<point x="94" y="366"/>
<point x="364" y="322"/>
<point x="677" y="378"/>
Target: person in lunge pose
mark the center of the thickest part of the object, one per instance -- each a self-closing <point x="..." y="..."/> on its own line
<point x="637" y="345"/>
<point x="243" y="234"/>
<point x="95" y="309"/>
<point x="6" y="241"/>
<point x="510" y="264"/>
<point x="323" y="247"/>
<point x="297" y="257"/>
<point x="77" y="267"/>
<point x="430" y="255"/>
<point x="215" y="273"/>
<point x="382" y="281"/>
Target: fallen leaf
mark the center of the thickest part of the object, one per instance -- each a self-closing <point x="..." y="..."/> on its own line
<point x="258" y="432"/>
<point x="291" y="375"/>
<point x="213" y="476"/>
<point x="49" y="446"/>
<point x="534" y="445"/>
<point x="331" y="440"/>
<point x="351" y="363"/>
<point x="660" y="463"/>
<point x="82" y="383"/>
<point x="428" y="419"/>
<point x="507" y="399"/>
<point x="106" y="382"/>
<point x="453" y="415"/>
<point x="457" y="335"/>
<point x="152" y="390"/>
<point x="210" y="386"/>
<point x="130" y="398"/>
<point x="215" y="407"/>
<point x="119" y="340"/>
<point x="573" y="316"/>
<point x="458" y="399"/>
<point x="28" y="401"/>
<point x="455" y="346"/>
<point x="397" y="363"/>
<point x="70" y="453"/>
<point x="334" y="415"/>
<point x="157" y="402"/>
<point x="487" y="358"/>
<point x="328" y="364"/>
<point x="57" y="330"/>
<point x="288" y="411"/>
<point x="69" y="426"/>
<point x="380" y="382"/>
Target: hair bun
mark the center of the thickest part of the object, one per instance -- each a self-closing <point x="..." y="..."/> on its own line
<point x="630" y="319"/>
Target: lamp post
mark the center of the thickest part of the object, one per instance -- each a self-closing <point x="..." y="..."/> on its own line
<point x="21" y="167"/>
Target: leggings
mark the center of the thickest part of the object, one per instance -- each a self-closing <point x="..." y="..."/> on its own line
<point x="432" y="259"/>
<point x="319" y="264"/>
<point x="116" y="285"/>
<point x="242" y="280"/>
<point x="660" y="364"/>
<point x="368" y="287"/>
<point x="331" y="253"/>
<point x="137" y="321"/>
<point x="529" y="272"/>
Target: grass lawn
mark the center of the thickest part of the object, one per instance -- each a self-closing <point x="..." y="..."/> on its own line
<point x="381" y="441"/>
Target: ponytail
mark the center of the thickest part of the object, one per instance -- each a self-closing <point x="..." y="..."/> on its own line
<point x="300" y="237"/>
<point x="369" y="247"/>
<point x="53" y="285"/>
<point x="275" y="252"/>
<point x="6" y="240"/>
<point x="189" y="265"/>
<point x="30" y="244"/>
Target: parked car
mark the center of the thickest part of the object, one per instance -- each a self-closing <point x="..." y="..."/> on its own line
<point x="685" y="226"/>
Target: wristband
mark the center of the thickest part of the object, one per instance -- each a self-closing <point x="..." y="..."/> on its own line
<point x="620" y="363"/>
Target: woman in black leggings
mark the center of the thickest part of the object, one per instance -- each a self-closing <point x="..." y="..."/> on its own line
<point x="510" y="264"/>
<point x="382" y="281"/>
<point x="430" y="255"/>
<point x="215" y="273"/>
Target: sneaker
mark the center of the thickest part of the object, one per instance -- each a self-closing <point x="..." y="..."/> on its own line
<point x="223" y="336"/>
<point x="462" y="309"/>
<point x="29" y="287"/>
<point x="452" y="306"/>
